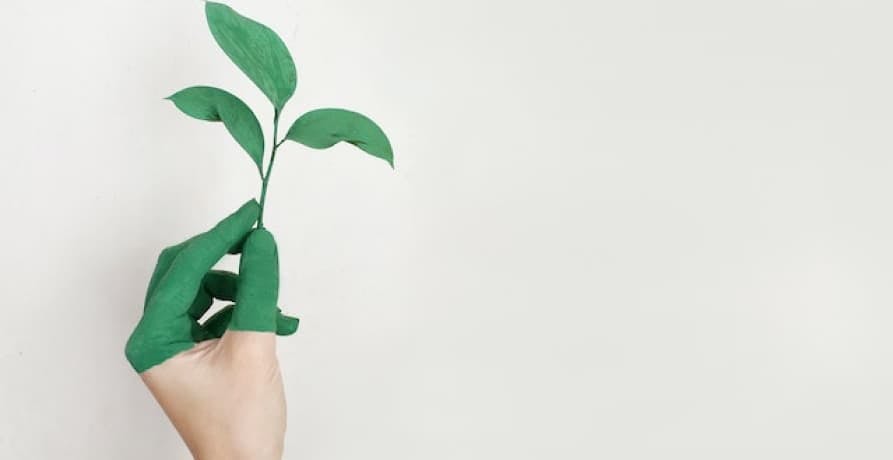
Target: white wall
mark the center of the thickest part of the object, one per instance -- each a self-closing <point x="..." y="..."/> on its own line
<point x="620" y="230"/>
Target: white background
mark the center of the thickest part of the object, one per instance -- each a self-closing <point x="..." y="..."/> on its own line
<point x="619" y="230"/>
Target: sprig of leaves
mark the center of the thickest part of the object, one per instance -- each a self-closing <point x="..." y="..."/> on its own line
<point x="263" y="57"/>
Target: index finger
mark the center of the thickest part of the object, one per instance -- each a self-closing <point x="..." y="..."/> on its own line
<point x="178" y="286"/>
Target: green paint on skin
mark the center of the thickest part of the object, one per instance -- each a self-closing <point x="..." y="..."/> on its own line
<point x="183" y="286"/>
<point x="259" y="287"/>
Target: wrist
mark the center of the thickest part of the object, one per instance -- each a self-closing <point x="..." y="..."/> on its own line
<point x="226" y="451"/>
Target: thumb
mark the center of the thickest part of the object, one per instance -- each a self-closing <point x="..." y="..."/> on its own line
<point x="258" y="289"/>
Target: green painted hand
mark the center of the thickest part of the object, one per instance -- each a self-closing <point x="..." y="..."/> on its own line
<point x="184" y="286"/>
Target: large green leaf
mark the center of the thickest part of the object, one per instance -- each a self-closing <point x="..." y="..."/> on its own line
<point x="214" y="104"/>
<point x="323" y="128"/>
<point x="255" y="49"/>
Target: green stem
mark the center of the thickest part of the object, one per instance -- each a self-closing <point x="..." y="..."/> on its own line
<point x="266" y="177"/>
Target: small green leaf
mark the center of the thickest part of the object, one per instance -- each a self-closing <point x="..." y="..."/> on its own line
<point x="323" y="128"/>
<point x="214" y="104"/>
<point x="255" y="49"/>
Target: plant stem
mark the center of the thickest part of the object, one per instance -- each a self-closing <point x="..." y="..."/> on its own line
<point x="266" y="177"/>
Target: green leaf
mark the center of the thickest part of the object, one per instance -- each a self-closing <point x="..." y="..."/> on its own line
<point x="214" y="104"/>
<point x="255" y="49"/>
<point x="323" y="128"/>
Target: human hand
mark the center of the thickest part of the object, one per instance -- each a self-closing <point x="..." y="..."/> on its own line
<point x="217" y="381"/>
